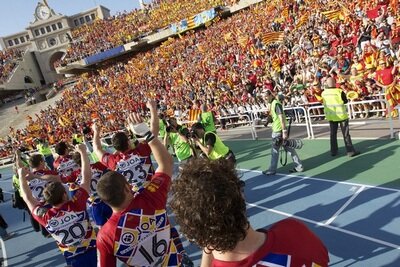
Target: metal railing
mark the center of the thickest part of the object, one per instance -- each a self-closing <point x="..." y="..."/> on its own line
<point x="249" y="119"/>
<point x="351" y="113"/>
<point x="299" y="115"/>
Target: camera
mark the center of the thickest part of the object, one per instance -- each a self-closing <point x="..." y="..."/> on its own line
<point x="170" y="125"/>
<point x="86" y="130"/>
<point x="192" y="134"/>
<point x="289" y="143"/>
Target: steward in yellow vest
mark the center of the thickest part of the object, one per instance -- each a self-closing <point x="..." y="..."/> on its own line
<point x="336" y="113"/>
<point x="210" y="144"/>
<point x="43" y="148"/>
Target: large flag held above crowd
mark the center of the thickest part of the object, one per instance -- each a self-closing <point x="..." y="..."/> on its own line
<point x="273" y="37"/>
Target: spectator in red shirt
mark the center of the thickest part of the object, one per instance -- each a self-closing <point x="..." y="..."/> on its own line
<point x="385" y="74"/>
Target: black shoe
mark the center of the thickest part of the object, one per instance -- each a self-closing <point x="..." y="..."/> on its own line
<point x="353" y="154"/>
<point x="333" y="154"/>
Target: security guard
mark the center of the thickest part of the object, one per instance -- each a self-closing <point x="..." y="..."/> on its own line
<point x="336" y="113"/>
<point x="279" y="134"/>
<point x="210" y="144"/>
<point x="163" y="125"/>
<point x="207" y="119"/>
<point x="44" y="149"/>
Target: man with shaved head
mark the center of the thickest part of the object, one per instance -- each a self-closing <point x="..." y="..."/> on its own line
<point x="336" y="113"/>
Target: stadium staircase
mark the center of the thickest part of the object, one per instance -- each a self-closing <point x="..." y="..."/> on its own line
<point x="22" y="76"/>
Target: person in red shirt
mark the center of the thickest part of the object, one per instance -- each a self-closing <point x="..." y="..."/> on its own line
<point x="385" y="74"/>
<point x="223" y="230"/>
<point x="132" y="162"/>
<point x="98" y="210"/>
<point x="37" y="182"/>
<point x="64" y="164"/>
<point x="66" y="220"/>
<point x="41" y="176"/>
<point x="138" y="233"/>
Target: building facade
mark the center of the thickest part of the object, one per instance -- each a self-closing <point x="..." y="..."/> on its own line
<point x="44" y="41"/>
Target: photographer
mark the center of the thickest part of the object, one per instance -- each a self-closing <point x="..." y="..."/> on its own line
<point x="210" y="144"/>
<point x="279" y="136"/>
<point x="177" y="136"/>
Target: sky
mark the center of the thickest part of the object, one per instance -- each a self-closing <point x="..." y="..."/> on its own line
<point x="16" y="15"/>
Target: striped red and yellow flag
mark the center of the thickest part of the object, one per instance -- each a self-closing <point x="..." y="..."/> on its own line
<point x="193" y="116"/>
<point x="190" y="22"/>
<point x="285" y="12"/>
<point x="243" y="40"/>
<point x="302" y="20"/>
<point x="392" y="94"/>
<point x="228" y="36"/>
<point x="273" y="37"/>
<point x="393" y="4"/>
<point x="333" y="14"/>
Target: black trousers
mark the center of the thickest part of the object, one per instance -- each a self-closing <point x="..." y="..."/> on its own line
<point x="344" y="126"/>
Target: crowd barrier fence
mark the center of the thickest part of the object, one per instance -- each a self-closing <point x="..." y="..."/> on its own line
<point x="299" y="114"/>
<point x="352" y="111"/>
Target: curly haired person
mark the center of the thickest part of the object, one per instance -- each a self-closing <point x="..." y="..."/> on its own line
<point x="223" y="230"/>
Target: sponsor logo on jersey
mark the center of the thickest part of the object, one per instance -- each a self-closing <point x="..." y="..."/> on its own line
<point x="64" y="220"/>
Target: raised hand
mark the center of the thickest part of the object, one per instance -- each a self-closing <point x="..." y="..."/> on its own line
<point x="81" y="148"/>
<point x="151" y="104"/>
<point x="95" y="128"/>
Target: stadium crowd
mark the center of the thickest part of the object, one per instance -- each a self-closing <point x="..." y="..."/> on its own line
<point x="8" y="62"/>
<point x="126" y="26"/>
<point x="230" y="65"/>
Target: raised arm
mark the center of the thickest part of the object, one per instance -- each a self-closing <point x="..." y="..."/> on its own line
<point x="85" y="169"/>
<point x="25" y="190"/>
<point x="154" y="122"/>
<point x="97" y="148"/>
<point x="160" y="153"/>
<point x="18" y="160"/>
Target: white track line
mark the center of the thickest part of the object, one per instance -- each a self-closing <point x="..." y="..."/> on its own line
<point x="325" y="180"/>
<point x="329" y="226"/>
<point x="344" y="206"/>
<point x="3" y="248"/>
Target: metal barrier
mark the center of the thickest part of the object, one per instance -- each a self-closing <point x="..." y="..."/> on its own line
<point x="6" y="160"/>
<point x="297" y="116"/>
<point x="249" y="120"/>
<point x="351" y="113"/>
